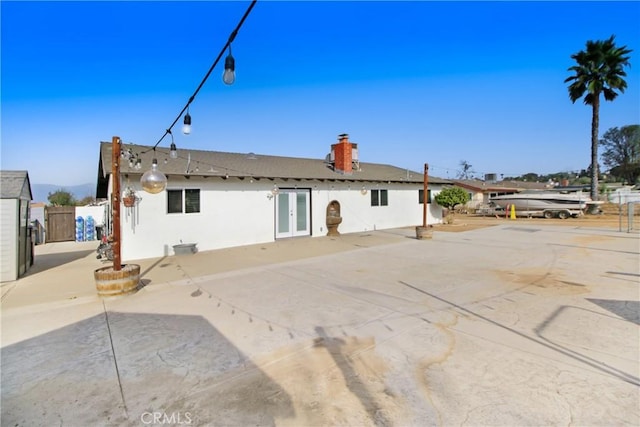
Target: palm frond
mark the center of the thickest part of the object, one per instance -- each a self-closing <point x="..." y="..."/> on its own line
<point x="598" y="69"/>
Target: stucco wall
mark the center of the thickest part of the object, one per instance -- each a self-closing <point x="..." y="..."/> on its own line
<point x="358" y="214"/>
<point x="236" y="213"/>
<point x="478" y="199"/>
<point x="97" y="212"/>
<point x="231" y="214"/>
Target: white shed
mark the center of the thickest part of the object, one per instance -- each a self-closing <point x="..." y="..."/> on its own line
<point x="15" y="245"/>
<point x="218" y="200"/>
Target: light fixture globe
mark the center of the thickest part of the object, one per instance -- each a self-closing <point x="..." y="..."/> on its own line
<point x="186" y="129"/>
<point x="153" y="181"/>
<point x="229" y="75"/>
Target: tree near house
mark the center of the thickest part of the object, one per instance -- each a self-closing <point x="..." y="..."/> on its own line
<point x="86" y="200"/>
<point x="451" y="197"/>
<point x="61" y="198"/>
<point x="622" y="152"/>
<point x="599" y="70"/>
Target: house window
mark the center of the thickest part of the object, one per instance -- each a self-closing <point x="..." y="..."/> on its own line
<point x="192" y="201"/>
<point x="421" y="196"/>
<point x="379" y="198"/>
<point x="187" y="201"/>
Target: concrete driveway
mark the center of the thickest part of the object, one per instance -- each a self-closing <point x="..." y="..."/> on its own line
<point x="508" y="325"/>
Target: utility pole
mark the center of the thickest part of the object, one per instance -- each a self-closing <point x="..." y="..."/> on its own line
<point x="115" y="202"/>
<point x="424" y="195"/>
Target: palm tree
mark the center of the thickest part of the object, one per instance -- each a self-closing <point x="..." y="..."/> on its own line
<point x="599" y="70"/>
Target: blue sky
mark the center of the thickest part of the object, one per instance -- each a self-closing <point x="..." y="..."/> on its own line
<point x="410" y="82"/>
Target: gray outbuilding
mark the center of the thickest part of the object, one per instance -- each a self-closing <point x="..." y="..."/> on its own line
<point x="15" y="245"/>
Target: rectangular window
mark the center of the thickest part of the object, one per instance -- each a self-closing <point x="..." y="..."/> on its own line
<point x="174" y="201"/>
<point x="283" y="212"/>
<point x="301" y="211"/>
<point x="379" y="198"/>
<point x="192" y="201"/>
<point x="421" y="196"/>
<point x="187" y="201"/>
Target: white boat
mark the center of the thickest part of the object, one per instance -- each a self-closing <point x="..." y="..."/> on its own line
<point x="547" y="204"/>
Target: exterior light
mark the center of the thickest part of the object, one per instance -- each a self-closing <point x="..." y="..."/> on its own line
<point x="173" y="153"/>
<point x="153" y="181"/>
<point x="186" y="128"/>
<point x="229" y="75"/>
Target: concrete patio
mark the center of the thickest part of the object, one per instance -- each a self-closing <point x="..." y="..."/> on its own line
<point x="516" y="324"/>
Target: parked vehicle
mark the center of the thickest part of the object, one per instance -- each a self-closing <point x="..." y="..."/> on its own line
<point x="545" y="204"/>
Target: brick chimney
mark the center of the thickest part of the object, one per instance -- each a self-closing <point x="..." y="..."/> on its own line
<point x="342" y="153"/>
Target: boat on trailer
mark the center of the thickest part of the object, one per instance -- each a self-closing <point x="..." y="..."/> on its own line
<point x="546" y="204"/>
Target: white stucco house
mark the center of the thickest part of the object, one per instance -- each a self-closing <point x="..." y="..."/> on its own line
<point x="220" y="199"/>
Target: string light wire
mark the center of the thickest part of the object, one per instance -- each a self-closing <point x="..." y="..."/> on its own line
<point x="222" y="51"/>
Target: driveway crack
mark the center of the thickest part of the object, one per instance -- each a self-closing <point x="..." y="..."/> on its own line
<point x="115" y="361"/>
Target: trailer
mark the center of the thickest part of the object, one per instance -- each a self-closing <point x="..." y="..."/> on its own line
<point x="543" y="204"/>
<point x="551" y="213"/>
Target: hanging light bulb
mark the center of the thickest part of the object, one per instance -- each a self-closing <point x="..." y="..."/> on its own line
<point x="173" y="153"/>
<point x="186" y="129"/>
<point x="153" y="181"/>
<point x="229" y="75"/>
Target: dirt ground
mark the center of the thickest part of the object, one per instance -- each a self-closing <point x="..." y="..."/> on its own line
<point x="465" y="222"/>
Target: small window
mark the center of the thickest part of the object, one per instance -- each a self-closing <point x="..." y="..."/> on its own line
<point x="192" y="201"/>
<point x="421" y="196"/>
<point x="379" y="198"/>
<point x="190" y="197"/>
<point x="174" y="201"/>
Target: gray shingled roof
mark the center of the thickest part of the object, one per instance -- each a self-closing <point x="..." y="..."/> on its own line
<point x="15" y="185"/>
<point x="222" y="164"/>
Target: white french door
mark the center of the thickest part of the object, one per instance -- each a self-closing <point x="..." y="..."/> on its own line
<point x="293" y="214"/>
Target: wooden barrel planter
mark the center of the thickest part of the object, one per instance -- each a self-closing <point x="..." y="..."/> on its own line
<point x="424" y="233"/>
<point x="113" y="283"/>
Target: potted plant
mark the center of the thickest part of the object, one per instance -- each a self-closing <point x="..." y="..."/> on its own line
<point x="129" y="197"/>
